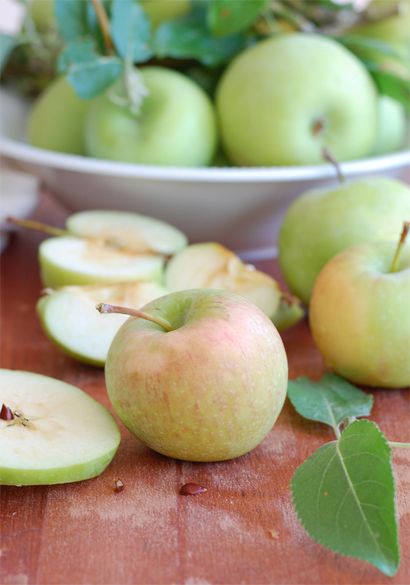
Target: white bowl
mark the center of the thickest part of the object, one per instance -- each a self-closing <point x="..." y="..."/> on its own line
<point x="240" y="207"/>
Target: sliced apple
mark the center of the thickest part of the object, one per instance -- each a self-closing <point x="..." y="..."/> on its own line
<point x="128" y="231"/>
<point x="70" y="319"/>
<point x="68" y="260"/>
<point x="211" y="265"/>
<point x="51" y="432"/>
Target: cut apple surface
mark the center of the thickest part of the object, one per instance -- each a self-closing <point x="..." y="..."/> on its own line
<point x="211" y="265"/>
<point x="68" y="260"/>
<point x="51" y="432"/>
<point x="70" y="319"/>
<point x="129" y="231"/>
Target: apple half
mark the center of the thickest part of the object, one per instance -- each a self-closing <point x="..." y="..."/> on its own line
<point x="129" y="231"/>
<point x="211" y="265"/>
<point x="51" y="432"/>
<point x="69" y="317"/>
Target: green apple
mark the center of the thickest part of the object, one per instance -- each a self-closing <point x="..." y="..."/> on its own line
<point x="130" y="231"/>
<point x="393" y="126"/>
<point x="57" y="119"/>
<point x="284" y="99"/>
<point x="203" y="380"/>
<point x="69" y="318"/>
<point x="324" y="221"/>
<point x="360" y="315"/>
<point x="162" y="10"/>
<point x="67" y="260"/>
<point x="211" y="265"/>
<point x="51" y="432"/>
<point x="176" y="125"/>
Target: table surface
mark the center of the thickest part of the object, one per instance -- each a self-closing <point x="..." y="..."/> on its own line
<point x="243" y="530"/>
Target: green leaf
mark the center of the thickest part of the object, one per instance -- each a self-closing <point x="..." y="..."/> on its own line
<point x="71" y="16"/>
<point x="91" y="77"/>
<point x="190" y="38"/>
<point x="390" y="84"/>
<point x="344" y="496"/>
<point x="131" y="30"/>
<point x="76" y="52"/>
<point x="331" y="400"/>
<point x="360" y="44"/>
<point x="7" y="44"/>
<point x="226" y="17"/>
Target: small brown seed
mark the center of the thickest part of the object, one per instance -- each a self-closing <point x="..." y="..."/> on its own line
<point x="6" y="413"/>
<point x="192" y="489"/>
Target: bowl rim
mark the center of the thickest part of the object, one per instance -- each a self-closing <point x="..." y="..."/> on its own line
<point x="23" y="152"/>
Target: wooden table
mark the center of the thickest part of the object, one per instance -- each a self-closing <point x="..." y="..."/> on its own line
<point x="243" y="530"/>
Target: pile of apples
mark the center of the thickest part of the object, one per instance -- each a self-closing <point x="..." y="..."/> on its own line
<point x="278" y="103"/>
<point x="194" y="364"/>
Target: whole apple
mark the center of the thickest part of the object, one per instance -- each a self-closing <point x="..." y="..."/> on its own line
<point x="325" y="221"/>
<point x="206" y="385"/>
<point x="175" y="126"/>
<point x="360" y="315"/>
<point x="282" y="100"/>
<point x="392" y="126"/>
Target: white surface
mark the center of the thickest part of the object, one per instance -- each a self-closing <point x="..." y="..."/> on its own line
<point x="240" y="207"/>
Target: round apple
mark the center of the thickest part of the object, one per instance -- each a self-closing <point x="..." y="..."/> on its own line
<point x="57" y="119"/>
<point x="162" y="10"/>
<point x="204" y="383"/>
<point x="176" y="125"/>
<point x="392" y="126"/>
<point x="324" y="221"/>
<point x="281" y="101"/>
<point x="360" y="315"/>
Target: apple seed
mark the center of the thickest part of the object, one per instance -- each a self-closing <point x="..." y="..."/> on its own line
<point x="192" y="489"/>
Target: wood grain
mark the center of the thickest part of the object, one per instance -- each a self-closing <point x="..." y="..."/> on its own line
<point x="243" y="530"/>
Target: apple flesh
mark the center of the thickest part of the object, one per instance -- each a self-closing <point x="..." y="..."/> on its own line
<point x="325" y="221"/>
<point x="176" y="125"/>
<point x="69" y="318"/>
<point x="67" y="260"/>
<point x="210" y="388"/>
<point x="58" y="434"/>
<point x="302" y="92"/>
<point x="360" y="315"/>
<point x="57" y="119"/>
<point x="130" y="231"/>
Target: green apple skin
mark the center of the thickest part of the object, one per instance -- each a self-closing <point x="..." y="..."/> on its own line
<point x="73" y="438"/>
<point x="210" y="389"/>
<point x="93" y="264"/>
<point x="57" y="119"/>
<point x="360" y="315"/>
<point x="393" y="126"/>
<point x="176" y="125"/>
<point x="282" y="100"/>
<point x="163" y="10"/>
<point x="324" y="221"/>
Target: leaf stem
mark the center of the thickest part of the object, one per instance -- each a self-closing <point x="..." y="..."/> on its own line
<point x="106" y="308"/>
<point x="104" y="25"/>
<point x="403" y="236"/>
<point x="399" y="445"/>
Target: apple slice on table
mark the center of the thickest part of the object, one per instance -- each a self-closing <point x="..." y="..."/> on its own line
<point x="69" y="317"/>
<point x="211" y="265"/>
<point x="51" y="432"/>
<point x="131" y="231"/>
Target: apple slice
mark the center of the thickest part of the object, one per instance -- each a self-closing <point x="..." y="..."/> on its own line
<point x="51" y="432"/>
<point x="211" y="265"/>
<point x="70" y="319"/>
<point x="68" y="260"/>
<point x="130" y="231"/>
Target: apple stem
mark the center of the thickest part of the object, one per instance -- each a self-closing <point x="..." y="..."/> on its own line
<point x="104" y="25"/>
<point x="106" y="308"/>
<point x="38" y="226"/>
<point x="399" y="445"/>
<point x="403" y="236"/>
<point x="328" y="156"/>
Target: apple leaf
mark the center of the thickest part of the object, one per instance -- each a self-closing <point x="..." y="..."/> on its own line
<point x="226" y="17"/>
<point x="77" y="51"/>
<point x="390" y="84"/>
<point x="7" y="44"/>
<point x="330" y="401"/>
<point x="189" y="38"/>
<point x="344" y="496"/>
<point x="71" y="18"/>
<point x="131" y="30"/>
<point x="90" y="78"/>
<point x="365" y="45"/>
